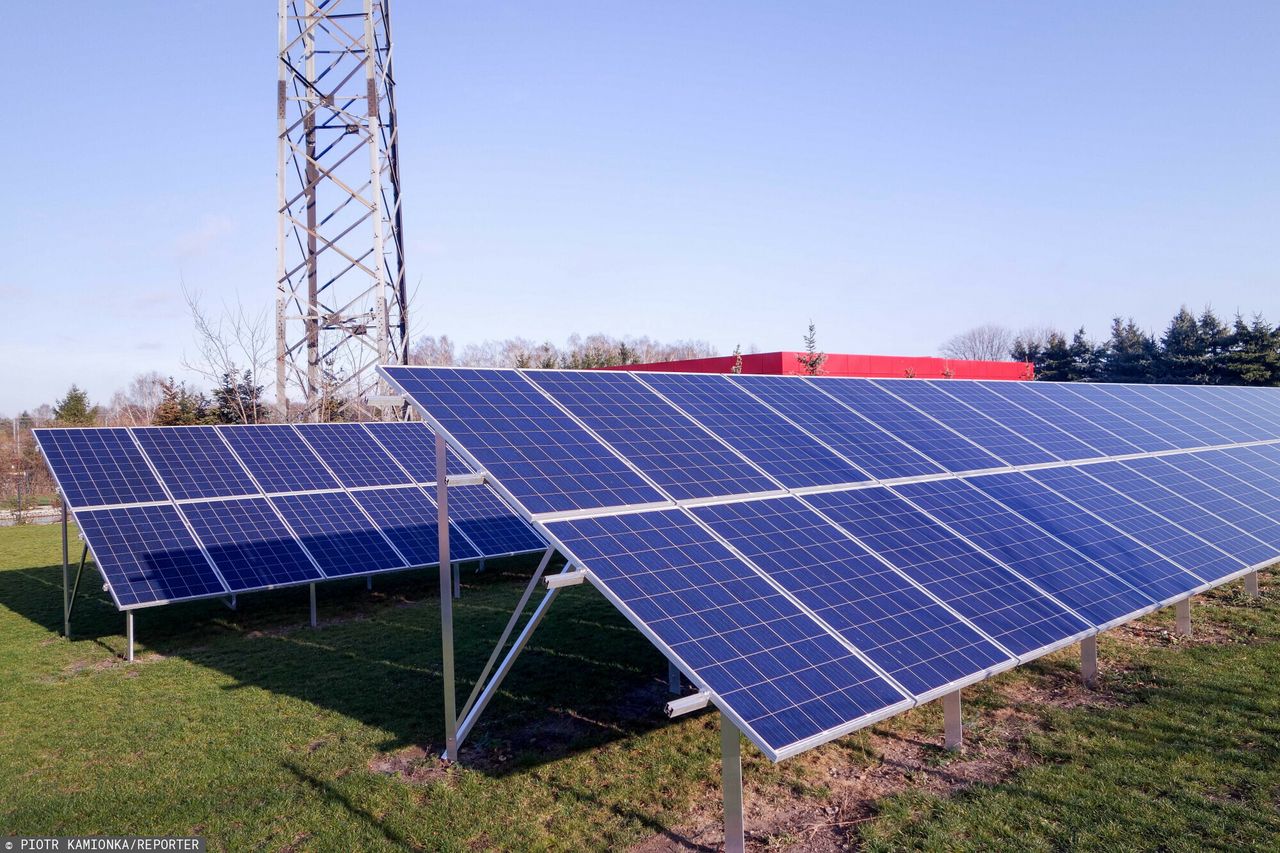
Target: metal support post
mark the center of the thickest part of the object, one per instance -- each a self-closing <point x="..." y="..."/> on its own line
<point x="66" y="578"/>
<point x="1251" y="585"/>
<point x="480" y="568"/>
<point x="446" y="602"/>
<point x="674" y="686"/>
<point x="128" y="631"/>
<point x="731" y="782"/>
<point x="1184" y="617"/>
<point x="457" y="580"/>
<point x="75" y="588"/>
<point x="368" y="582"/>
<point x="313" y="605"/>
<point x="1089" y="660"/>
<point x="953" y="728"/>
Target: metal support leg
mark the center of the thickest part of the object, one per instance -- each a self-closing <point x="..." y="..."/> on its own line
<point x="1251" y="585"/>
<point x="480" y="568"/>
<point x="446" y="603"/>
<point x="1184" y="617"/>
<point x="313" y="606"/>
<point x="368" y="582"/>
<point x="731" y="782"/>
<point x="674" y="685"/>
<point x="953" y="728"/>
<point x="457" y="581"/>
<point x="1089" y="661"/>
<point x="66" y="579"/>
<point x="128" y="632"/>
<point x="230" y="601"/>
<point x="75" y="588"/>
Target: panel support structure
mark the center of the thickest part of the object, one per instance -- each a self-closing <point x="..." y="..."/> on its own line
<point x="1184" y="617"/>
<point x="953" y="728"/>
<point x="446" y="602"/>
<point x="128" y="632"/>
<point x="674" y="685"/>
<point x="1251" y="585"/>
<point x="66" y="578"/>
<point x="1089" y="661"/>
<point x="313" y="605"/>
<point x="731" y="781"/>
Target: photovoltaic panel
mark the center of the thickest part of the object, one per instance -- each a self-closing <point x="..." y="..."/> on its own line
<point x="1107" y="411"/>
<point x="896" y="625"/>
<point x="490" y="525"/>
<point x="1076" y="581"/>
<point x="98" y="467"/>
<point x="1264" y="457"/>
<point x="974" y="425"/>
<point x="1179" y="546"/>
<point x="539" y="454"/>
<point x="1257" y="421"/>
<point x="340" y="537"/>
<point x="1138" y="407"/>
<point x="414" y="446"/>
<point x="278" y="458"/>
<point x="1197" y="414"/>
<point x="1088" y="431"/>
<point x="779" y="447"/>
<point x="772" y="666"/>
<point x="1260" y="481"/>
<point x="1042" y="432"/>
<point x="1090" y="535"/>
<point x="194" y="462"/>
<point x="249" y="544"/>
<point x="1259" y="403"/>
<point x="669" y="448"/>
<point x="409" y="520"/>
<point x="926" y="435"/>
<point x="1205" y="494"/>
<point x="852" y="436"/>
<point x="1183" y="511"/>
<point x="1017" y="615"/>
<point x="353" y="455"/>
<point x="147" y="555"/>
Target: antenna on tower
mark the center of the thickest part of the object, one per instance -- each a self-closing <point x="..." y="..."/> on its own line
<point x="341" y="301"/>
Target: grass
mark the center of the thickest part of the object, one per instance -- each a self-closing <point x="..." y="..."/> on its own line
<point x="259" y="733"/>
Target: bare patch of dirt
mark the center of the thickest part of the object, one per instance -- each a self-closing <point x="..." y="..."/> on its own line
<point x="413" y="764"/>
<point x="1203" y="633"/>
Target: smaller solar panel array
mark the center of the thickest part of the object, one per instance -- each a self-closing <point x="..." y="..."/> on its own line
<point x="179" y="513"/>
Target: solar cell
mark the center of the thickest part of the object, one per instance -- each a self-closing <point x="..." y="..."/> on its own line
<point x="408" y="518"/>
<point x="194" y="462"/>
<point x="278" y="458"/>
<point x="539" y="454"/>
<point x="678" y="455"/>
<point x="414" y="446"/>
<point x="249" y="544"/>
<point x="1034" y="428"/>
<point x="1168" y="423"/>
<point x="1072" y="578"/>
<point x="353" y="455"/>
<point x="1206" y="494"/>
<point x="1027" y="395"/>
<point x="340" y="537"/>
<point x="1176" y="544"/>
<point x="974" y="425"/>
<point x="147" y="555"/>
<point x="926" y="435"/>
<point x="784" y="451"/>
<point x="98" y="467"/>
<point x="852" y="436"/>
<point x="1006" y="608"/>
<point x="789" y="681"/>
<point x="899" y="627"/>
<point x="1119" y="554"/>
<point x="490" y="525"/>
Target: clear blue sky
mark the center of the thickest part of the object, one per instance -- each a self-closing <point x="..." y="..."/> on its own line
<point x="718" y="170"/>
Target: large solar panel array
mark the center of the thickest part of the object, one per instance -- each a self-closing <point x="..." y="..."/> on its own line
<point x="179" y="513"/>
<point x="820" y="553"/>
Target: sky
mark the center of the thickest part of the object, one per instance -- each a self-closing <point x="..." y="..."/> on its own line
<point x="728" y="171"/>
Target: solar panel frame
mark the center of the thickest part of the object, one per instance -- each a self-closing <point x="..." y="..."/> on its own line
<point x="470" y="511"/>
<point x="1224" y="421"/>
<point x="1166" y="418"/>
<point x="409" y="518"/>
<point x="1154" y="434"/>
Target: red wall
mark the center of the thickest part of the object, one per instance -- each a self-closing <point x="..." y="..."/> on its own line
<point x="837" y="364"/>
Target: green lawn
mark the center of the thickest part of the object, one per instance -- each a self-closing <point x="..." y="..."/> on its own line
<point x="263" y="734"/>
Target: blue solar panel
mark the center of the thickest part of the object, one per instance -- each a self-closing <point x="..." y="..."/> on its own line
<point x="1245" y="471"/>
<point x="852" y="436"/>
<point x="489" y="523"/>
<point x="414" y="446"/>
<point x="926" y="435"/>
<point x="784" y="451"/>
<point x="897" y="626"/>
<point x="1064" y="416"/>
<point x="1261" y="404"/>
<point x="974" y="425"/>
<point x="1264" y="457"/>
<point x="1156" y="532"/>
<point x="1211" y="489"/>
<point x="278" y="458"/>
<point x="1016" y="614"/>
<point x="340" y="537"/>
<point x="353" y="455"/>
<point x="98" y="467"/>
<point x="249" y="544"/>
<point x="982" y="397"/>
<point x="1090" y="535"/>
<point x="147" y="555"/>
<point x="548" y="462"/>
<point x="1184" y="512"/>
<point x="1137" y="406"/>
<point x="1201" y="416"/>
<point x="1051" y="564"/>
<point x="409" y="520"/>
<point x="194" y="462"/>
<point x="771" y="665"/>
<point x="1104" y="410"/>
<point x="677" y="454"/>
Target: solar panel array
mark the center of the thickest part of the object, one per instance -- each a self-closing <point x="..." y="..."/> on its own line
<point x="180" y="513"/>
<point x="821" y="553"/>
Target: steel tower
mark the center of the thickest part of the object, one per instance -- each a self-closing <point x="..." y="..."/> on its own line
<point x="341" y="305"/>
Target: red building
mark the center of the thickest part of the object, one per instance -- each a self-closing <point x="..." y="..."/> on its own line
<point x="839" y="364"/>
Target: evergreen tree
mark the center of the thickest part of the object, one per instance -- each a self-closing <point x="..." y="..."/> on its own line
<point x="180" y="406"/>
<point x="74" y="409"/>
<point x="1254" y="356"/>
<point x="1183" y="357"/>
<point x="812" y="358"/>
<point x="237" y="400"/>
<point x="1130" y="354"/>
<point x="737" y="359"/>
<point x="1055" y="360"/>
<point x="1217" y="342"/>
<point x="1086" y="358"/>
<point x="1028" y="349"/>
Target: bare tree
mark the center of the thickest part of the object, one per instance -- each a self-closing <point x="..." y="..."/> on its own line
<point x="433" y="351"/>
<point x="136" y="403"/>
<point x="236" y="346"/>
<point x="988" y="342"/>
